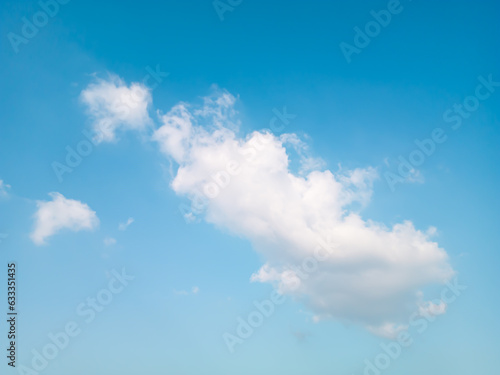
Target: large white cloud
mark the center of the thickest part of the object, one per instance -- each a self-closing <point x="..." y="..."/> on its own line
<point x="61" y="213"/>
<point x="114" y="106"/>
<point x="373" y="274"/>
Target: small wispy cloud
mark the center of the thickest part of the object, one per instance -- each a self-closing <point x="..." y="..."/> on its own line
<point x="3" y="189"/>
<point x="180" y="292"/>
<point x="415" y="176"/>
<point x="109" y="241"/>
<point x="124" y="226"/>
<point x="194" y="290"/>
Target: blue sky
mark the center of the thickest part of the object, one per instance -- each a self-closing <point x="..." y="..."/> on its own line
<point x="227" y="80"/>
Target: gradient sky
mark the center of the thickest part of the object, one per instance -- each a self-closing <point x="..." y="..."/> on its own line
<point x="361" y="114"/>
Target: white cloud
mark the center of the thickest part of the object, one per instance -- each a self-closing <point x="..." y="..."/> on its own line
<point x="124" y="226"/>
<point x="61" y="213"/>
<point x="3" y="189"/>
<point x="109" y="241"/>
<point x="373" y="273"/>
<point x="114" y="106"/>
<point x="195" y="290"/>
